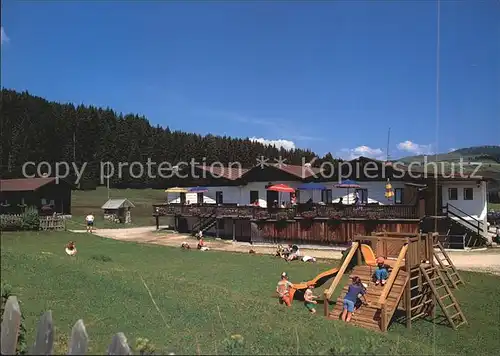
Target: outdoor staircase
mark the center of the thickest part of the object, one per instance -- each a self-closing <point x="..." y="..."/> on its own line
<point x="457" y="229"/>
<point x="205" y="222"/>
<point x="462" y="223"/>
<point x="443" y="295"/>
<point x="369" y="316"/>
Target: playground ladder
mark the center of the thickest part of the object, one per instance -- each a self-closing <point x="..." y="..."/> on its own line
<point x="446" y="265"/>
<point x="437" y="283"/>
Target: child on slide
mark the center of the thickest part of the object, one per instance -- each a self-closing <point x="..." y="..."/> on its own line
<point x="381" y="273"/>
<point x="309" y="297"/>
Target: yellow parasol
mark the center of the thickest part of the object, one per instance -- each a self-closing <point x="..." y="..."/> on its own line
<point x="176" y="190"/>
<point x="388" y="190"/>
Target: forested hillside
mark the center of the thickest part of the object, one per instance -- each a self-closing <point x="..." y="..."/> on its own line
<point x="34" y="129"/>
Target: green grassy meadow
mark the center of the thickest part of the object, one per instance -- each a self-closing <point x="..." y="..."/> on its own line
<point x="205" y="297"/>
<point x="90" y="201"/>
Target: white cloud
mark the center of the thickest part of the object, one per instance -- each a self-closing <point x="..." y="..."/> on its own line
<point x="365" y="151"/>
<point x="3" y="36"/>
<point x="286" y="144"/>
<point x="414" y="148"/>
<point x="452" y="149"/>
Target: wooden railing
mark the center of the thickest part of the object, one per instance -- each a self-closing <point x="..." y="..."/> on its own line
<point x="331" y="211"/>
<point x="464" y="219"/>
<point x="328" y="292"/>
<point x="392" y="277"/>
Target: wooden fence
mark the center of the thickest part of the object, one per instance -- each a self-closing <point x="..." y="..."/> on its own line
<point x="44" y="340"/>
<point x="57" y="223"/>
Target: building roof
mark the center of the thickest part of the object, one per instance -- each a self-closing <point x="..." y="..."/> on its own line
<point x="117" y="204"/>
<point x="24" y="184"/>
<point x="237" y="173"/>
<point x="301" y="172"/>
<point x="224" y="172"/>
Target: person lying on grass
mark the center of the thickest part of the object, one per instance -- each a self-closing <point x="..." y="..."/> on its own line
<point x="309" y="297"/>
<point x="283" y="290"/>
<point x="356" y="289"/>
<point x="382" y="272"/>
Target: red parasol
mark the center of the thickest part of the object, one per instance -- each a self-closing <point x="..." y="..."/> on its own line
<point x="282" y="188"/>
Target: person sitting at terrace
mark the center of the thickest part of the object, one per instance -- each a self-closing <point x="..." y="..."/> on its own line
<point x="382" y="272"/>
<point x="256" y="202"/>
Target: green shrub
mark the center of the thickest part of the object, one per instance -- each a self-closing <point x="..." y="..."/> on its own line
<point x="144" y="346"/>
<point x="22" y="348"/>
<point x="10" y="223"/>
<point x="30" y="219"/>
<point x="101" y="258"/>
<point x="234" y="344"/>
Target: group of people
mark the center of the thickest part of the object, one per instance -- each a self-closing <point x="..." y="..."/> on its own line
<point x="291" y="253"/>
<point x="202" y="246"/>
<point x="353" y="300"/>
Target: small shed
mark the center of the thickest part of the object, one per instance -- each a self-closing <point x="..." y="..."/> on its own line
<point x="118" y="210"/>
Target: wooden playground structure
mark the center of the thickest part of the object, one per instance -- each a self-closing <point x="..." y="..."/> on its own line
<point x="421" y="278"/>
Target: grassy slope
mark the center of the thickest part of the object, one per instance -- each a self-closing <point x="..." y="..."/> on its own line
<point x="85" y="202"/>
<point x="190" y="287"/>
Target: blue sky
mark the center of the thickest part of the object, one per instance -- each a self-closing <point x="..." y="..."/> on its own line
<point x="330" y="76"/>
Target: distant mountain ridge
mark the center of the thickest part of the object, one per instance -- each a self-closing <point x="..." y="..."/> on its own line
<point x="488" y="156"/>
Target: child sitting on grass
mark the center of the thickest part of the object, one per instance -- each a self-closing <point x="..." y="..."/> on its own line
<point x="283" y="290"/>
<point x="309" y="297"/>
<point x="381" y="273"/>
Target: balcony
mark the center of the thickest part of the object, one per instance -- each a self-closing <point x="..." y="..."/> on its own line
<point x="301" y="211"/>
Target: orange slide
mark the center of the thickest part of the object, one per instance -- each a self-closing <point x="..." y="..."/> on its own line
<point x="322" y="276"/>
<point x="368" y="256"/>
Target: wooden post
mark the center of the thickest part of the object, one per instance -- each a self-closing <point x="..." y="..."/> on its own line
<point x="326" y="305"/>
<point x="217" y="227"/>
<point x="407" y="293"/>
<point x="383" y="318"/>
<point x="157" y="218"/>
<point x="234" y="230"/>
<point x="359" y="256"/>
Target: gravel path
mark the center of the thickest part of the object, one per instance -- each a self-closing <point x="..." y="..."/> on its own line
<point x="480" y="261"/>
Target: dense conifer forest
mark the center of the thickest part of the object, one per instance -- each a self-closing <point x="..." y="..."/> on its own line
<point x="34" y="129"/>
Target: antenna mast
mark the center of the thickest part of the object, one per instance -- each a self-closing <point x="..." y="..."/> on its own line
<point x="387" y="149"/>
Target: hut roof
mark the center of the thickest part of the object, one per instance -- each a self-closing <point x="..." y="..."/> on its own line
<point x="117" y="204"/>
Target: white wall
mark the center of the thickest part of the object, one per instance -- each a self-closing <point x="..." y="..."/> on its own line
<point x="477" y="208"/>
<point x="241" y="195"/>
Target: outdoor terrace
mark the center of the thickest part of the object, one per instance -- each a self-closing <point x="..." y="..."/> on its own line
<point x="301" y="211"/>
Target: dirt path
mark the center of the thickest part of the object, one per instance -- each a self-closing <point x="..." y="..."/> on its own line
<point x="480" y="261"/>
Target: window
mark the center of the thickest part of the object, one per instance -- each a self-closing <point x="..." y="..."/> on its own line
<point x="326" y="196"/>
<point x="199" y="198"/>
<point x="182" y="197"/>
<point x="254" y="196"/>
<point x="452" y="194"/>
<point x="468" y="194"/>
<point x="44" y="201"/>
<point x="398" y="195"/>
<point x="219" y="197"/>
<point x="363" y="195"/>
